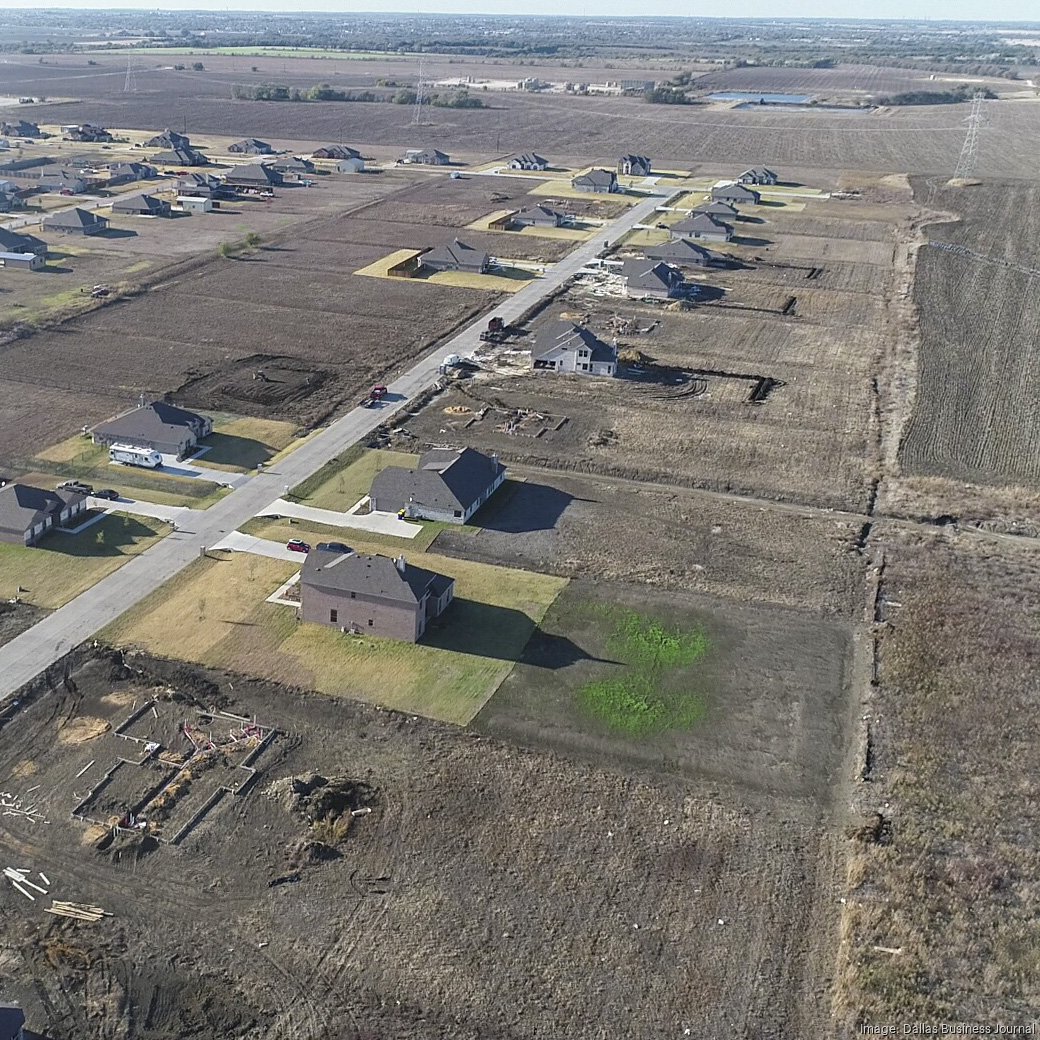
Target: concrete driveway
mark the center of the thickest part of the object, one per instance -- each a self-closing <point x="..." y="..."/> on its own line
<point x="377" y="523"/>
<point x="179" y="514"/>
<point x="174" y="467"/>
<point x="236" y="541"/>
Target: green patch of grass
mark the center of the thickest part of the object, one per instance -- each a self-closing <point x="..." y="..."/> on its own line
<point x="650" y="697"/>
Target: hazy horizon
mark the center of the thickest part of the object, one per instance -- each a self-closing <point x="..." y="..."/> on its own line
<point x="1018" y="11"/>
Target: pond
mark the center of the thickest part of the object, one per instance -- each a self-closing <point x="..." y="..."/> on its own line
<point x="758" y="98"/>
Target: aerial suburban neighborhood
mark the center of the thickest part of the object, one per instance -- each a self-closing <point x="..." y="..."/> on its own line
<point x="518" y="525"/>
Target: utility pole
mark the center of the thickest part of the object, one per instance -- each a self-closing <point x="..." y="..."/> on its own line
<point x="130" y="83"/>
<point x="970" y="148"/>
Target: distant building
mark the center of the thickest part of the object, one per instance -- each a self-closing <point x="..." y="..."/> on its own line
<point x="22" y="261"/>
<point x="181" y="157"/>
<point x="354" y="165"/>
<point x="720" y="210"/>
<point x="455" y="256"/>
<point x="88" y="132"/>
<point x="62" y="180"/>
<point x="169" y="139"/>
<point x="653" y="279"/>
<point x="195" y="203"/>
<point x="27" y="513"/>
<point x="335" y="151"/>
<point x="702" y="226"/>
<point x="735" y="194"/>
<point x="292" y="164"/>
<point x="449" y="485"/>
<point x="425" y="157"/>
<point x="158" y="426"/>
<point x="372" y="595"/>
<point x="683" y="252"/>
<point x="596" y="182"/>
<point x="536" y="216"/>
<point x="528" y="161"/>
<point x="18" y="242"/>
<point x="563" y="346"/>
<point x="251" y="146"/>
<point x="634" y="166"/>
<point x="142" y="206"/>
<point x="75" y="222"/>
<point x="20" y="128"/>
<point x="127" y="173"/>
<point x="758" y="175"/>
<point x="202" y="185"/>
<point x="253" y="176"/>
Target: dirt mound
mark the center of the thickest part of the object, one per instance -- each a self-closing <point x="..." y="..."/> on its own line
<point x="80" y="730"/>
<point x="308" y="852"/>
<point x="317" y="798"/>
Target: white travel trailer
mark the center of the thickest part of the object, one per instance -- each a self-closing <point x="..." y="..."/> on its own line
<point x="128" y="455"/>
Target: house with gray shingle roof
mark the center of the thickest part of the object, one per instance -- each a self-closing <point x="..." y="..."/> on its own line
<point x="758" y="175"/>
<point x="425" y="157"/>
<point x="19" y="242"/>
<point x="372" y="595"/>
<point x="657" y="280"/>
<point x="719" y="210"/>
<point x="251" y="146"/>
<point x="20" y="128"/>
<point x="455" y="256"/>
<point x="528" y="161"/>
<point x="169" y="139"/>
<point x="634" y="166"/>
<point x="537" y="216"/>
<point x="335" y="151"/>
<point x="702" y="226"/>
<point x="735" y="194"/>
<point x="157" y="426"/>
<point x="127" y="173"/>
<point x="448" y="484"/>
<point x="27" y="513"/>
<point x="88" y="132"/>
<point x="181" y="157"/>
<point x="563" y="346"/>
<point x="75" y="222"/>
<point x="683" y="252"/>
<point x="596" y="182"/>
<point x="252" y="176"/>
<point x="142" y="206"/>
<point x="293" y="164"/>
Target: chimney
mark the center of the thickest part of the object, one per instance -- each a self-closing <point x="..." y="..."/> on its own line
<point x="400" y="563"/>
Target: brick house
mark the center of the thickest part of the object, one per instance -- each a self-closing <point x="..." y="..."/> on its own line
<point x="27" y="513"/>
<point x="158" y="426"/>
<point x="377" y="595"/>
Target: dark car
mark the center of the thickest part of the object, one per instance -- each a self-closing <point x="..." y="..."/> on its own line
<point x="297" y="545"/>
<point x="76" y="485"/>
<point x="107" y="493"/>
<point x="335" y="547"/>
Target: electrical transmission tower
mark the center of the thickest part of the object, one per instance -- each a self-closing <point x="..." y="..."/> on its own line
<point x="420" y="90"/>
<point x="970" y="150"/>
<point x="130" y="83"/>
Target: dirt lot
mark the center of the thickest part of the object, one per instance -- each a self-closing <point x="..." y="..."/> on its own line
<point x="473" y="854"/>
<point x="979" y="318"/>
<point x="15" y="618"/>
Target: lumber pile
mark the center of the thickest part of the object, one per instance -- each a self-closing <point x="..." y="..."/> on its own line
<point x="77" y="911"/>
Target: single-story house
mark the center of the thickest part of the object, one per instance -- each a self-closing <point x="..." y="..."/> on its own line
<point x="159" y="426"/>
<point x="449" y="484"/>
<point x="127" y="173"/>
<point x="12" y="1022"/>
<point x="425" y="157"/>
<point x="634" y="166"/>
<point x="536" y="216"/>
<point x="702" y="226"/>
<point x="62" y="180"/>
<point x="169" y="139"/>
<point x="528" y="161"/>
<point x="27" y="512"/>
<point x="251" y="146"/>
<point x="354" y="165"/>
<point x="683" y="252"/>
<point x="658" y="280"/>
<point x="335" y="151"/>
<point x="88" y="132"/>
<point x="455" y="256"/>
<point x="75" y="222"/>
<point x="563" y="346"/>
<point x="195" y="203"/>
<point x="20" y="128"/>
<point x="598" y="182"/>
<point x="202" y="185"/>
<point x="10" y="200"/>
<point x="22" y="261"/>
<point x="373" y="595"/>
<point x="758" y="175"/>
<point x="142" y="206"/>
<point x="735" y="194"/>
<point x="720" y="210"/>
<point x="253" y="175"/>
<point x="18" y="242"/>
<point x="181" y="157"/>
<point x="292" y="164"/>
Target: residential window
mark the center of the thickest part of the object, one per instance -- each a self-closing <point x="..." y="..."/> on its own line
<point x="370" y="622"/>
<point x="353" y="595"/>
<point x="458" y="512"/>
<point x="333" y="616"/>
<point x="585" y="367"/>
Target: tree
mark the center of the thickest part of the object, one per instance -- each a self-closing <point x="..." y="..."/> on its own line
<point x="253" y="240"/>
<point x="226" y="250"/>
<point x="198" y="66"/>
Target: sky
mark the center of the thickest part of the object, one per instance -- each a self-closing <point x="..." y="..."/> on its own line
<point x="943" y="10"/>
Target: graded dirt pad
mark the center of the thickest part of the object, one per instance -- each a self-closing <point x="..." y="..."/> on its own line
<point x="771" y="691"/>
<point x="15" y="618"/>
<point x="974" y="416"/>
<point x="952" y="730"/>
<point x="668" y="908"/>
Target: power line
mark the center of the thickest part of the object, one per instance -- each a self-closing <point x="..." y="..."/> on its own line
<point x="970" y="148"/>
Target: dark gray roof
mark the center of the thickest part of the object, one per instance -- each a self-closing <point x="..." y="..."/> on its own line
<point x="253" y="173"/>
<point x="15" y="242"/>
<point x="155" y="421"/>
<point x="682" y="251"/>
<point x="169" y="139"/>
<point x="699" y="223"/>
<point x="22" y="506"/>
<point x="250" y="144"/>
<point x="377" y="576"/>
<point x="336" y="151"/>
<point x="181" y="157"/>
<point x="134" y="169"/>
<point x="20" y="128"/>
<point x="293" y="164"/>
<point x="559" y="337"/>
<point x="735" y="191"/>
<point x="445" y="478"/>
<point x="759" y="171"/>
<point x="140" y="204"/>
<point x="74" y="218"/>
<point x="544" y="211"/>
<point x="644" y="274"/>
<point x="530" y="159"/>
<point x="597" y="177"/>
<point x="716" y="209"/>
<point x="431" y="153"/>
<point x="642" y="160"/>
<point x="456" y="252"/>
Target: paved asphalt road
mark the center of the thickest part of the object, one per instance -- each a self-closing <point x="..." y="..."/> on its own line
<point x="53" y="637"/>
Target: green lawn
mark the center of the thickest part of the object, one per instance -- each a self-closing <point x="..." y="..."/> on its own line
<point x="62" y="566"/>
<point x="343" y="481"/>
<point x="240" y="444"/>
<point x="214" y="613"/>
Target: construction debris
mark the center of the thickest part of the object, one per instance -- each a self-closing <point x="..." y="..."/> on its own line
<point x="77" y="911"/>
<point x="11" y="804"/>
